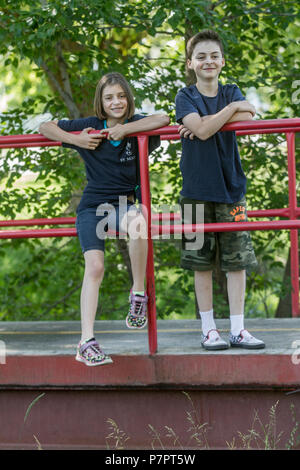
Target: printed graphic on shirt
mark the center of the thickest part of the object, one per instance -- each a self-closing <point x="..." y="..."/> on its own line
<point x="128" y="154"/>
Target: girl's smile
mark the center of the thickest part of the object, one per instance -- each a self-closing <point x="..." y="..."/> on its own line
<point x="115" y="103"/>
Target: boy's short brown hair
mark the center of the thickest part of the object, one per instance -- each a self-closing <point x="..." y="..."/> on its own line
<point x="205" y="35"/>
<point x="113" y="78"/>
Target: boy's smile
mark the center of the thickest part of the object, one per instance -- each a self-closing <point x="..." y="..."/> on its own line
<point x="207" y="61"/>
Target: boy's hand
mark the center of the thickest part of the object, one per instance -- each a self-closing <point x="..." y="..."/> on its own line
<point x="185" y="132"/>
<point x="117" y="132"/>
<point x="86" y="140"/>
<point x="244" y="106"/>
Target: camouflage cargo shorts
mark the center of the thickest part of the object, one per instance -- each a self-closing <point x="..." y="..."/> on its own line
<point x="232" y="250"/>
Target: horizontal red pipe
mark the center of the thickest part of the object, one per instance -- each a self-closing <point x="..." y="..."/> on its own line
<point x="31" y="222"/>
<point x="263" y="124"/>
<point x="155" y="217"/>
<point x="164" y="229"/>
<point x="271" y="125"/>
<point x="39" y="141"/>
<point x="21" y="138"/>
<point x="253" y="213"/>
<point x="50" y="143"/>
<point x="254" y="131"/>
<point x="226" y="227"/>
<point x="39" y="233"/>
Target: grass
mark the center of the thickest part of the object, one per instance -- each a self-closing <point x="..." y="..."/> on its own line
<point x="261" y="435"/>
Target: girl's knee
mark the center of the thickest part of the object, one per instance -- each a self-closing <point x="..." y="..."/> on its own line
<point x="94" y="268"/>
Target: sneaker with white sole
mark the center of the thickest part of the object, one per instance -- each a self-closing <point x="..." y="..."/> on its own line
<point x="91" y="354"/>
<point x="137" y="316"/>
<point x="245" y="340"/>
<point x="213" y="341"/>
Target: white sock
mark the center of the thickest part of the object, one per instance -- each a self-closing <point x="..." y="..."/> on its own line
<point x="237" y="324"/>
<point x="207" y="321"/>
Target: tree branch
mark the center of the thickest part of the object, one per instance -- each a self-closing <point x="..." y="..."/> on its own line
<point x="65" y="94"/>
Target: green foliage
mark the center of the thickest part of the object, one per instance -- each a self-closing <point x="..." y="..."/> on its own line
<point x="56" y="51"/>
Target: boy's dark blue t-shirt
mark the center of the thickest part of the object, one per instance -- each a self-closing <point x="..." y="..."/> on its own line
<point x="111" y="171"/>
<point x="211" y="169"/>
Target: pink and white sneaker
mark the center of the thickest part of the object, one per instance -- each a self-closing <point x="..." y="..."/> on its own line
<point x="137" y="315"/>
<point x="90" y="353"/>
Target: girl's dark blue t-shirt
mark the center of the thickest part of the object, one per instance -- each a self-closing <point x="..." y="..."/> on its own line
<point x="111" y="171"/>
<point x="211" y="169"/>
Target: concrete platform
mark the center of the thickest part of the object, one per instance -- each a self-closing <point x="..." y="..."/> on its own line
<point x="41" y="354"/>
<point x="174" y="337"/>
<point x="74" y="403"/>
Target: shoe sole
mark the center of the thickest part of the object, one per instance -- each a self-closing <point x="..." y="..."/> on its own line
<point x="216" y="347"/>
<point x="248" y="346"/>
<point x="108" y="360"/>
<point x="136" y="327"/>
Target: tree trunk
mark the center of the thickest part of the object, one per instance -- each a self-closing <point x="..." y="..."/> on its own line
<point x="284" y="307"/>
<point x="123" y="249"/>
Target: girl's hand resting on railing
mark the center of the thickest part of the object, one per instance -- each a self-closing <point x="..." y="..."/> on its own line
<point x="118" y="132"/>
<point x="88" y="141"/>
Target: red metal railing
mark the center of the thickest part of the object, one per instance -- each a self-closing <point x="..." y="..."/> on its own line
<point x="287" y="126"/>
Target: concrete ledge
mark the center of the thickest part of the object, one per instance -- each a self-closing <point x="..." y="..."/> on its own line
<point x="73" y="403"/>
<point x="41" y="355"/>
<point x="164" y="371"/>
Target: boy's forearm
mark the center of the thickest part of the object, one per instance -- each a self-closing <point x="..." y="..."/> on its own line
<point x="147" y="124"/>
<point x="206" y="126"/>
<point x="241" y="116"/>
<point x="238" y="116"/>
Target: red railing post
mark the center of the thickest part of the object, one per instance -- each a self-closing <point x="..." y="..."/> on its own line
<point x="290" y="137"/>
<point x="146" y="205"/>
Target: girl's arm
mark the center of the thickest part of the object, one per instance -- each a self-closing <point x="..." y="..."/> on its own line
<point x="119" y="131"/>
<point x="85" y="140"/>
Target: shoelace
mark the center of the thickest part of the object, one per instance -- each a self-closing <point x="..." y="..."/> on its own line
<point x="94" y="349"/>
<point x="137" y="308"/>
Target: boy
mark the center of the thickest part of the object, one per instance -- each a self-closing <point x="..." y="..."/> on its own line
<point x="213" y="176"/>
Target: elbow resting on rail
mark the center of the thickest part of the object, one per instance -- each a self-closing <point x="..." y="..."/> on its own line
<point x="164" y="119"/>
<point x="46" y="126"/>
<point x="41" y="128"/>
<point x="203" y="135"/>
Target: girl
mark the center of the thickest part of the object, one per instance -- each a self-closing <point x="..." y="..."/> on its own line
<point x="111" y="170"/>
